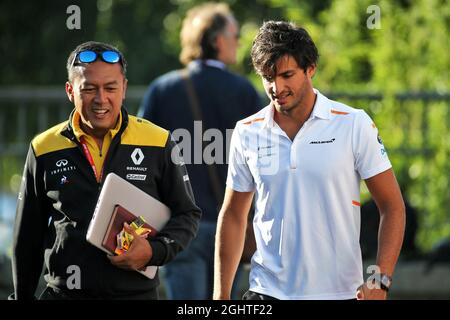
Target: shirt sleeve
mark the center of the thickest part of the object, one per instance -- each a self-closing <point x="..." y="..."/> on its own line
<point x="29" y="231"/>
<point x="239" y="177"/>
<point x="369" y="152"/>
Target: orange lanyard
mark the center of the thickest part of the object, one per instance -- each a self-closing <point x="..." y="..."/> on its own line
<point x="88" y="155"/>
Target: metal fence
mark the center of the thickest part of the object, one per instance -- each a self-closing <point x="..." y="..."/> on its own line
<point x="411" y="137"/>
<point x="24" y="112"/>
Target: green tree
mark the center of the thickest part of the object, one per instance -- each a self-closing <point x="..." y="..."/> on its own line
<point x="408" y="54"/>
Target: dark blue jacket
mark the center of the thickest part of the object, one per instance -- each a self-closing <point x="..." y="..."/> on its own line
<point x="224" y="98"/>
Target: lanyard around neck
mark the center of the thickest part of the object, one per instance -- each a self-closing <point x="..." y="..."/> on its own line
<point x="88" y="156"/>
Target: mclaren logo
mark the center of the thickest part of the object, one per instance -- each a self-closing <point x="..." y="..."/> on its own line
<point x="323" y="141"/>
<point x="137" y="156"/>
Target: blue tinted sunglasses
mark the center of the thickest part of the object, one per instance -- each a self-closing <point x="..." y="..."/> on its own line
<point x="88" y="56"/>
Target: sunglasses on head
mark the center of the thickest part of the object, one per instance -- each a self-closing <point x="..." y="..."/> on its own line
<point x="88" y="56"/>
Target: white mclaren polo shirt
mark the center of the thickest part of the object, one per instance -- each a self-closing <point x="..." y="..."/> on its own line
<point x="307" y="218"/>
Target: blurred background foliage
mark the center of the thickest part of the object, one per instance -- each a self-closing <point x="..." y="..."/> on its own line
<point x="409" y="54"/>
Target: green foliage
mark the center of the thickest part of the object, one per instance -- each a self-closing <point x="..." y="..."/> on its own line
<point x="405" y="55"/>
<point x="408" y="54"/>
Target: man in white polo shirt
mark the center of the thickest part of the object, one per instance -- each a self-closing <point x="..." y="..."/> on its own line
<point x="304" y="156"/>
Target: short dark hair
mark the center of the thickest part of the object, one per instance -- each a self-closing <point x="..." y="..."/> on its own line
<point x="200" y="29"/>
<point x="278" y="38"/>
<point x="96" y="47"/>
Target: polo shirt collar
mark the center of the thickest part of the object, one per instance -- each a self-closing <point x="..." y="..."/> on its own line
<point x="210" y="63"/>
<point x="321" y="110"/>
<point x="268" y="117"/>
<point x="215" y="64"/>
<point x="79" y="132"/>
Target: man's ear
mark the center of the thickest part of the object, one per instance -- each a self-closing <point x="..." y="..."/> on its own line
<point x="69" y="91"/>
<point x="312" y="70"/>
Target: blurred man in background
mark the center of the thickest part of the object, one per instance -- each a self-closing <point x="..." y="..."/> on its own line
<point x="215" y="98"/>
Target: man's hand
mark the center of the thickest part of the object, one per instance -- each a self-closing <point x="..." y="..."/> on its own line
<point x="137" y="256"/>
<point x="364" y="293"/>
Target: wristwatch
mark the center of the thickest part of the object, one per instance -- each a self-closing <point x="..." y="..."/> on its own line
<point x="385" y="281"/>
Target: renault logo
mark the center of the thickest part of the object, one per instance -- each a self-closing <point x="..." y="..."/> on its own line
<point x="137" y="156"/>
<point x="62" y="163"/>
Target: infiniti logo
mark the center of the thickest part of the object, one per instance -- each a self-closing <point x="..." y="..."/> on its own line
<point x="62" y="163"/>
<point x="63" y="167"/>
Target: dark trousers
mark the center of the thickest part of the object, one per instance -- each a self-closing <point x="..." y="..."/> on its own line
<point x="190" y="276"/>
<point x="51" y="293"/>
<point x="250" y="295"/>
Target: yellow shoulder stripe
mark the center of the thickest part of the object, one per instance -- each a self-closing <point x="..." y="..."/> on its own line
<point x="51" y="140"/>
<point x="144" y="133"/>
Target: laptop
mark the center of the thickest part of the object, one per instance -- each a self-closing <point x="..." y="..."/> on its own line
<point x="118" y="191"/>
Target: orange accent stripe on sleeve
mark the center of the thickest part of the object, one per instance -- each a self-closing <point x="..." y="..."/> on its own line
<point x="254" y="120"/>
<point x="356" y="203"/>
<point x="374" y="126"/>
<point x="338" y="112"/>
